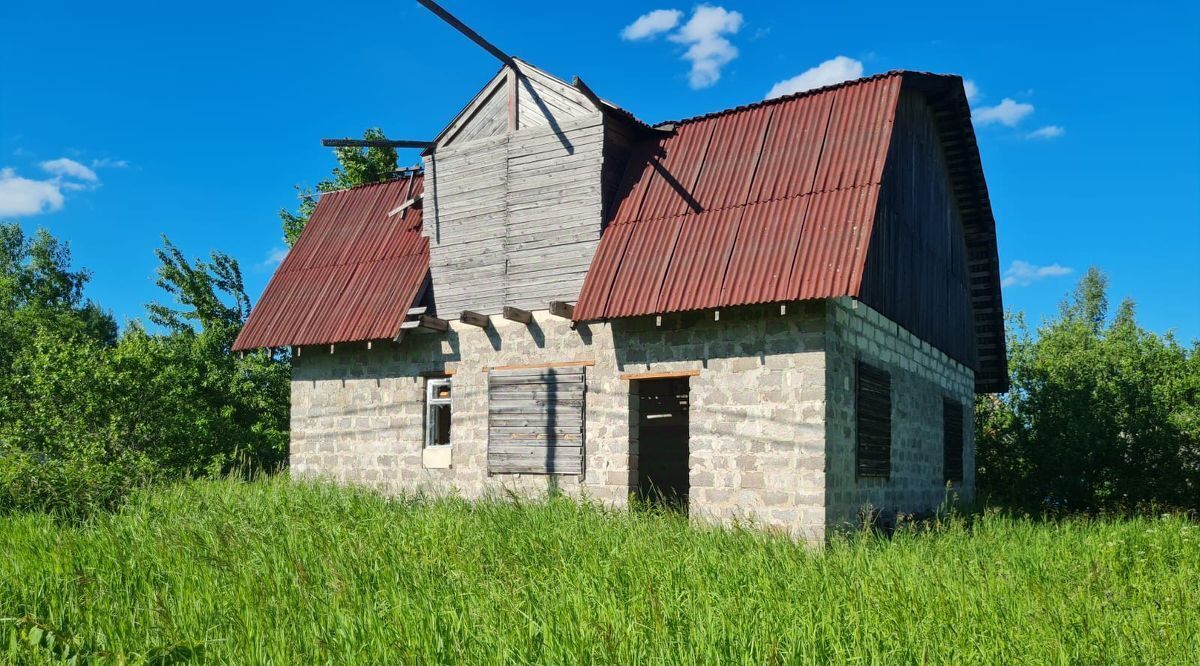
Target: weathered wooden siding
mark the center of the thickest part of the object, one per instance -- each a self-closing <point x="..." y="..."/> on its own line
<point x="514" y="219"/>
<point x="535" y="421"/>
<point x="554" y="210"/>
<point x="544" y="101"/>
<point x="489" y="119"/>
<point x="916" y="272"/>
<point x="465" y="221"/>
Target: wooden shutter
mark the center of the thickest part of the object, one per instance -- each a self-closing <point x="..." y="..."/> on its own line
<point x="952" y="440"/>
<point x="535" y="421"/>
<point x="873" y="399"/>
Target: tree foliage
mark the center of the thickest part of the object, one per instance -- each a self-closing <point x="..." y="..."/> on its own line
<point x="1102" y="415"/>
<point x="356" y="166"/>
<point x="85" y="412"/>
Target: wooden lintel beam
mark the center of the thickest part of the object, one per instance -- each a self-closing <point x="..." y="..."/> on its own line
<point x="538" y="366"/>
<point x="475" y="319"/>
<point x="466" y="31"/>
<point x="670" y="374"/>
<point x="518" y="315"/>
<point x="562" y="309"/>
<point x="374" y="143"/>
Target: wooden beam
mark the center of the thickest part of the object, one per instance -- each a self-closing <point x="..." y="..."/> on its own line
<point x="514" y="108"/>
<point x="427" y="322"/>
<point x="660" y="375"/>
<point x="404" y="206"/>
<point x="374" y="143"/>
<point x="535" y="366"/>
<point x="416" y="310"/>
<point x="436" y="374"/>
<point x="475" y="319"/>
<point x="466" y="31"/>
<point x="562" y="309"/>
<point x="517" y="314"/>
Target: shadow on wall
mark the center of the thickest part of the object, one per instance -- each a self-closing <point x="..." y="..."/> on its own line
<point x="537" y="99"/>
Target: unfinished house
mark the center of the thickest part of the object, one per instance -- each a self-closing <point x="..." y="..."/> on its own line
<point x="778" y="313"/>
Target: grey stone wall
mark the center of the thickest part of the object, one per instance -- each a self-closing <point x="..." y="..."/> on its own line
<point x="771" y="411"/>
<point x="756" y="421"/>
<point x="921" y="377"/>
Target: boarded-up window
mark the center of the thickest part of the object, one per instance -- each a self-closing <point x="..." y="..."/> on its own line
<point x="535" y="421"/>
<point x="873" y="400"/>
<point x="952" y="440"/>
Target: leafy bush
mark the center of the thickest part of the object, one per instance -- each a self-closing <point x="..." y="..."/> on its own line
<point x="1102" y="415"/>
<point x="87" y="413"/>
<point x="72" y="488"/>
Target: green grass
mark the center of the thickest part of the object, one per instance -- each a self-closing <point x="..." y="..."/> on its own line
<point x="283" y="572"/>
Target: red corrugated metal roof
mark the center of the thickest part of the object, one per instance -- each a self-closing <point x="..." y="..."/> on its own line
<point x="352" y="275"/>
<point x="771" y="202"/>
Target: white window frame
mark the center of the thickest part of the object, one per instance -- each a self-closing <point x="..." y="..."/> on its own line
<point x="431" y="402"/>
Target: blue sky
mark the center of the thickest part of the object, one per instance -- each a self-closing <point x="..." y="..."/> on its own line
<point x="123" y="121"/>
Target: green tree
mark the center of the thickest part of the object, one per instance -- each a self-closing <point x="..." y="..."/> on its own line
<point x="85" y="415"/>
<point x="1102" y="413"/>
<point x="356" y="166"/>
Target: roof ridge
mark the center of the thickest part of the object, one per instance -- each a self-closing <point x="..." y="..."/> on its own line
<point x="803" y="93"/>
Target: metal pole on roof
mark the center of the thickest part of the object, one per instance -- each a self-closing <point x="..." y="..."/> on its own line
<point x="467" y="31"/>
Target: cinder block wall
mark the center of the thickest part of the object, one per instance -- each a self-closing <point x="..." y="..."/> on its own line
<point x="757" y="413"/>
<point x="921" y="376"/>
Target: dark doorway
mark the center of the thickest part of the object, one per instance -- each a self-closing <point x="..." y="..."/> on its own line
<point x="662" y="441"/>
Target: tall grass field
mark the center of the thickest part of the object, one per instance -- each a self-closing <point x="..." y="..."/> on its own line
<point x="285" y="572"/>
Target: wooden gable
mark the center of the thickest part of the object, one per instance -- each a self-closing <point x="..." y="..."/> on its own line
<point x="514" y="100"/>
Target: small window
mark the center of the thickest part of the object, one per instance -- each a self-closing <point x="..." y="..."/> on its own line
<point x="952" y="440"/>
<point x="873" y="404"/>
<point x="437" y="412"/>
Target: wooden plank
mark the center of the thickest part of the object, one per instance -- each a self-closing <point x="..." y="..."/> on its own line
<point x="562" y="309"/>
<point x="475" y="319"/>
<point x="467" y="31"/>
<point x="504" y="465"/>
<point x="374" y="143"/>
<point x="551" y="364"/>
<point x="500" y="432"/>
<point x="404" y="206"/>
<point x="436" y="374"/>
<point x="433" y="323"/>
<point x="517" y="314"/>
<point x="660" y="375"/>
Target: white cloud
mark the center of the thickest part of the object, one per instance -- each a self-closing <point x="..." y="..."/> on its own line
<point x="23" y="196"/>
<point x="708" y="50"/>
<point x="1008" y="113"/>
<point x="1023" y="273"/>
<point x="29" y="196"/>
<point x="971" y="89"/>
<point x="68" y="168"/>
<point x="275" y="257"/>
<point x="830" y="72"/>
<point x="652" y="23"/>
<point x="1047" y="132"/>
<point x="109" y="163"/>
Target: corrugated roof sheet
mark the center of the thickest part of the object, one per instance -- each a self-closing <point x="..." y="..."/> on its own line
<point x="351" y="276"/>
<point x="771" y="202"/>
